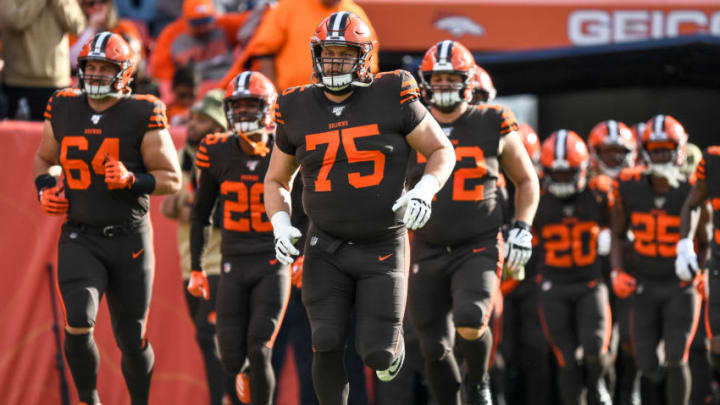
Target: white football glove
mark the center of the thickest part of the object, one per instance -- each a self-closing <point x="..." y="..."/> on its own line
<point x="518" y="246"/>
<point x="285" y="237"/>
<point x="686" y="264"/>
<point x="417" y="202"/>
<point x="604" y="240"/>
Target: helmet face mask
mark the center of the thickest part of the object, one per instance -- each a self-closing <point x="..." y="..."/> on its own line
<point x="246" y="114"/>
<point x="612" y="159"/>
<point x="249" y="103"/>
<point x="446" y="90"/>
<point x="341" y="50"/>
<point x="663" y="142"/>
<point x="564" y="160"/>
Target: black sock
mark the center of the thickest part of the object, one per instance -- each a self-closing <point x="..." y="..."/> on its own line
<point x="715" y="361"/>
<point x="83" y="358"/>
<point x="444" y="378"/>
<point x="262" y="376"/>
<point x="570" y="383"/>
<point x="677" y="384"/>
<point x="330" y="378"/>
<point x="628" y="376"/>
<point x="216" y="377"/>
<point x="137" y="369"/>
<point x="595" y="369"/>
<point x="477" y="355"/>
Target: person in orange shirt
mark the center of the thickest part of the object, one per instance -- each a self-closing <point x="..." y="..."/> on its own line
<point x="201" y="37"/>
<point x="279" y="47"/>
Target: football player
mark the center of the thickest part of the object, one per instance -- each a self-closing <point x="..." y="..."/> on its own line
<point x="648" y="201"/>
<point x="352" y="134"/>
<point x="574" y="302"/>
<point x="115" y="150"/>
<point x="458" y="256"/>
<point x="254" y="286"/>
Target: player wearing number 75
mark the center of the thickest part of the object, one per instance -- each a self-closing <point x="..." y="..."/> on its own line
<point x="457" y="256"/>
<point x="115" y="150"/>
<point x="352" y="135"/>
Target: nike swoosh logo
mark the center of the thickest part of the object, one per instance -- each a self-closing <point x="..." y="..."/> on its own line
<point x="478" y="250"/>
<point x="383" y="258"/>
<point x="138" y="253"/>
<point x="273" y="261"/>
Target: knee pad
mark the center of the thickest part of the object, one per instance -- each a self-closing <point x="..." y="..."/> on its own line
<point x="327" y="339"/>
<point x="379" y="359"/>
<point x="434" y="351"/>
<point x="470" y="316"/>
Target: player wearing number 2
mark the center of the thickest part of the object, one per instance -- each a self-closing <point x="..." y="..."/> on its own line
<point x="254" y="287"/>
<point x="665" y="307"/>
<point x="115" y="150"/>
<point x="458" y="256"/>
<point x="352" y="134"/>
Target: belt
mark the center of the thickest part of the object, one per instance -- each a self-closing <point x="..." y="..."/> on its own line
<point x="108" y="231"/>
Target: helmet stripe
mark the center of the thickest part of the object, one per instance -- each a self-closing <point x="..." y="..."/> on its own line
<point x="337" y="25"/>
<point x="444" y="51"/>
<point x="560" y="145"/>
<point x="613" y="134"/>
<point x="243" y="83"/>
<point x="101" y="42"/>
<point x="659" y="127"/>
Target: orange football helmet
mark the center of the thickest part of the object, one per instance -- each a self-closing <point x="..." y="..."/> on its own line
<point x="612" y="147"/>
<point x="247" y="121"/>
<point x="564" y="159"/>
<point x="447" y="57"/>
<point x="342" y="28"/>
<point x="483" y="89"/>
<point x="112" y="48"/>
<point x="663" y="145"/>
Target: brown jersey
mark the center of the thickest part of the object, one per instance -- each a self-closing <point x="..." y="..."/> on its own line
<point x="234" y="180"/>
<point x="467" y="206"/>
<point x="654" y="219"/>
<point x="86" y="137"/>
<point x="567" y="232"/>
<point x="709" y="163"/>
<point x="353" y="154"/>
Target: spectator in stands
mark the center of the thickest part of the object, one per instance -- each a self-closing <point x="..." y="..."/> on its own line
<point x="141" y="83"/>
<point x="141" y="10"/>
<point x="184" y="88"/>
<point x="201" y="37"/>
<point x="101" y="15"/>
<point x="36" y="51"/>
<point x="279" y="47"/>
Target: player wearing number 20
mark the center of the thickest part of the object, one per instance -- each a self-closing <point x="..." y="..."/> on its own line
<point x="665" y="306"/>
<point x="574" y="302"/>
<point x="254" y="287"/>
<point x="115" y="150"/>
<point x="458" y="256"/>
<point x="352" y="135"/>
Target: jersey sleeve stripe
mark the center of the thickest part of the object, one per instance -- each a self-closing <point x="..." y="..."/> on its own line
<point x="202" y="156"/>
<point x="47" y="115"/>
<point x="202" y="164"/>
<point x="202" y="149"/>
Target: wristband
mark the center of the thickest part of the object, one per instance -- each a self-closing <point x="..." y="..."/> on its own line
<point x="144" y="183"/>
<point x="521" y="224"/>
<point x="44" y="181"/>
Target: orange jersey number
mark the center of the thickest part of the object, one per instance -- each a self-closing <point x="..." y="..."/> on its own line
<point x="652" y="237"/>
<point x="255" y="204"/>
<point x="77" y="171"/>
<point x="348" y="136"/>
<point x="460" y="193"/>
<point x="564" y="245"/>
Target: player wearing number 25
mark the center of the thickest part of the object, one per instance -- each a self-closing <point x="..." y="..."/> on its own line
<point x="115" y="150"/>
<point x="352" y="135"/>
<point x="458" y="256"/>
<point x="254" y="286"/>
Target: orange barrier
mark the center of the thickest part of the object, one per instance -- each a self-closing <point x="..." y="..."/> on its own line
<point x="500" y="25"/>
<point x="28" y="241"/>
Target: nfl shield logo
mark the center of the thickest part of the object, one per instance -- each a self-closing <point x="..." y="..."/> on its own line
<point x="95" y="118"/>
<point x="338" y="110"/>
<point x="227" y="267"/>
<point x="659" y="202"/>
<point x="252" y="164"/>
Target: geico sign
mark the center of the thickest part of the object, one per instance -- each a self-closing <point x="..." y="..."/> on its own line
<point x="597" y="27"/>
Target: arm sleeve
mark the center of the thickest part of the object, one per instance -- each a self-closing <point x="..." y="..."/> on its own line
<point x="200" y="217"/>
<point x="69" y="15"/>
<point x="411" y="109"/>
<point x="19" y="14"/>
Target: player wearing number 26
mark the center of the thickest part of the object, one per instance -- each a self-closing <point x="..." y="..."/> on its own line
<point x="254" y="286"/>
<point x="458" y="256"/>
<point x="115" y="150"/>
<point x="352" y="135"/>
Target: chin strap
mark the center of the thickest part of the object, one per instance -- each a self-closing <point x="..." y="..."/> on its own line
<point x="259" y="148"/>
